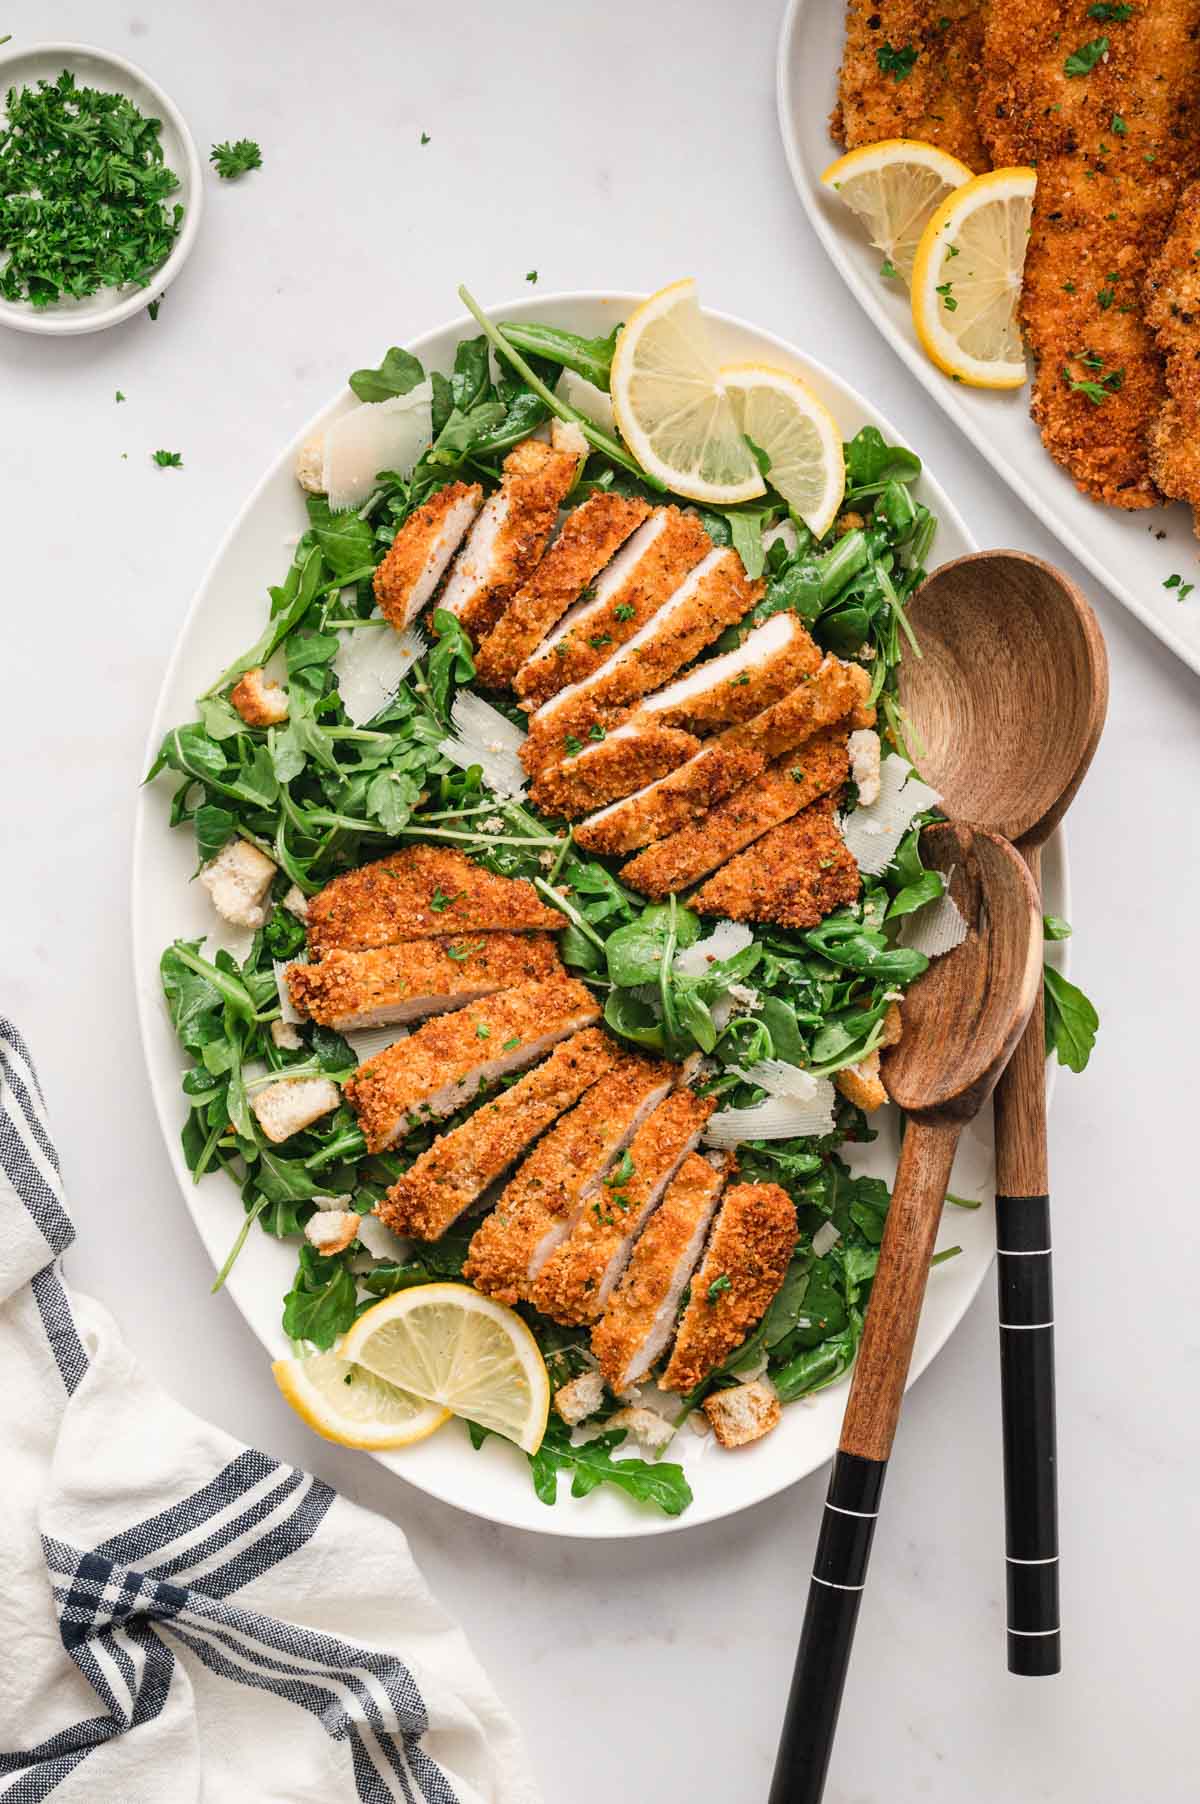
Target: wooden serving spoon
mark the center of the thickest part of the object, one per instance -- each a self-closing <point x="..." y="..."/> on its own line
<point x="963" y="1017"/>
<point x="1009" y="700"/>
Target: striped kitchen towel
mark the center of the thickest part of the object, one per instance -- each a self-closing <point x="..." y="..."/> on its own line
<point x="181" y="1618"/>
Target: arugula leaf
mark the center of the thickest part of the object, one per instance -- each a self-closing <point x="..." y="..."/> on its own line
<point x="450" y="663"/>
<point x="870" y="459"/>
<point x="346" y="541"/>
<point x="1071" y="1021"/>
<point x="399" y="372"/>
<point x="1055" y="928"/>
<point x="284" y="933"/>
<point x="661" y="1482"/>
<point x="322" y="1302"/>
<point x="588" y="357"/>
<point x="634" y="953"/>
<point x="927" y="888"/>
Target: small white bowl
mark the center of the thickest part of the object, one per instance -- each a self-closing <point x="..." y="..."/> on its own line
<point x="23" y="68"/>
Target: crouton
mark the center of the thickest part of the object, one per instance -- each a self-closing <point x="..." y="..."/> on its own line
<point x="238" y="880"/>
<point x="645" y="1425"/>
<point x="579" y="1399"/>
<point x="294" y="1103"/>
<point x="864" y="764"/>
<point x="259" y="702"/>
<point x="296" y="902"/>
<point x="310" y="465"/>
<point x="285" y="1036"/>
<point x="332" y="1230"/>
<point x="743" y="1414"/>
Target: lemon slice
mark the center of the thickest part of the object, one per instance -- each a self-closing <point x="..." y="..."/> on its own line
<point x="670" y="405"/>
<point x="460" y="1350"/>
<point x="350" y="1405"/>
<point x="894" y="187"/>
<point x="779" y="414"/>
<point x="966" y="284"/>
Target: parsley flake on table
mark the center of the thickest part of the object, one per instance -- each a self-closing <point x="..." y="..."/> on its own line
<point x="531" y="275"/>
<point x="169" y="460"/>
<point x="119" y="395"/>
<point x="1175" y="581"/>
<point x="83" y="188"/>
<point x="1084" y="60"/>
<point x="425" y="138"/>
<point x="232" y="160"/>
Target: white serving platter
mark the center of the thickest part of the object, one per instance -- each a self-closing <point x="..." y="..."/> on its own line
<point x="226" y="615"/>
<point x="1131" y="554"/>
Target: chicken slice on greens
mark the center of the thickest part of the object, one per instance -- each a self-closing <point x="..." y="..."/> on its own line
<point x="420" y="893"/>
<point x="417" y="558"/>
<point x="387" y="986"/>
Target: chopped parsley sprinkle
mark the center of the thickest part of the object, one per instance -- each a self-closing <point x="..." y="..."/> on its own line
<point x="1106" y="297"/>
<point x="153" y="307"/>
<point x="1109" y="15"/>
<point x="952" y="250"/>
<point x="572" y="746"/>
<point x="624" y="610"/>
<point x="1176" y="582"/>
<point x="232" y="160"/>
<point x="896" y="63"/>
<point x="622" y="1171"/>
<point x="483" y="1031"/>
<point x="888" y="269"/>
<point x="1097" y="391"/>
<point x="1119" y="127"/>
<point x="599" y="639"/>
<point x="797" y="773"/>
<point x="1068" y="287"/>
<point x="1084" y="60"/>
<point x="169" y="460"/>
<point x="718" y="1285"/>
<point x="945" y="289"/>
<point x="459" y="953"/>
<point x="439" y="902"/>
<point x="510" y="1044"/>
<point x="596" y="732"/>
<point x="83" y="192"/>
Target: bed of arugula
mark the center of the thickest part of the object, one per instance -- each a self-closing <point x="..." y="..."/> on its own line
<point x="321" y="794"/>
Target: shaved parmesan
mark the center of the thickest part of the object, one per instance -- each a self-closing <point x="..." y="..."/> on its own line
<point x="825" y="1237"/>
<point x="371" y="664"/>
<point x="935" y="929"/>
<point x="378" y="435"/>
<point x="485" y="737"/>
<point x="587" y="399"/>
<point x="778" y="1078"/>
<point x="379" y="1239"/>
<point x="726" y="938"/>
<point x="797" y="1105"/>
<point x="369" y="1040"/>
<point x="873" y="833"/>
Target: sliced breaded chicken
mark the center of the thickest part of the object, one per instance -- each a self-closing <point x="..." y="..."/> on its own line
<point x="725" y="764"/>
<point x="459" y="1167"/>
<point x="744" y="1264"/>
<point x="794" y="875"/>
<point x="1172" y="312"/>
<point x="634" y="586"/>
<point x="543" y="1201"/>
<point x="641" y="1315"/>
<point x="713" y="595"/>
<point x="605" y="770"/>
<point x="389" y="985"/>
<point x="1115" y="140"/>
<point x="576" y="1281"/>
<point x="453" y="1057"/>
<point x="420" y="893"/>
<point x="910" y="69"/>
<point x="421" y="550"/>
<point x="772" y="658"/>
<point x="591" y="535"/>
<point x="675" y="863"/>
<point x="509" y="535"/>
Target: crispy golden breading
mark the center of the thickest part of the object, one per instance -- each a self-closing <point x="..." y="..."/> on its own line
<point x="575" y="1283"/>
<point x="1105" y="200"/>
<point x="509" y="535"/>
<point x="422" y="548"/>
<point x="1171" y="304"/>
<point x="934" y="98"/>
<point x="783" y="789"/>
<point x="549" y="1191"/>
<point x="259" y="702"/>
<point x="590" y="536"/>
<point x="793" y="876"/>
<point x="419" y="893"/>
<point x="640" y="1317"/>
<point x="861" y="1082"/>
<point x="384" y="984"/>
<point x="727" y="763"/>
<point x="622" y="762"/>
<point x="455" y="1171"/>
<point x="744" y="1264"/>
<point x="707" y="698"/>
<point x="713" y="595"/>
<point x="450" y="1059"/>
<point x="626" y="598"/>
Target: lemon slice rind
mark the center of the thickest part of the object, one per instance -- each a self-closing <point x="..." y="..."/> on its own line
<point x="780" y="413"/>
<point x="893" y="188"/>
<point x="966" y="284"/>
<point x="344" y="1403"/>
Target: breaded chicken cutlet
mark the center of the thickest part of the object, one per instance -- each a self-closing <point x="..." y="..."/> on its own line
<point x="509" y="535"/>
<point x="604" y="770"/>
<point x="1171" y="306"/>
<point x="390" y="985"/>
<point x="793" y="876"/>
<point x="641" y="1315"/>
<point x="591" y="536"/>
<point x="744" y="1264"/>
<point x="543" y="1201"/>
<point x="453" y="1173"/>
<point x="417" y="558"/>
<point x="452" y="1058"/>
<point x="1107" y="113"/>
<point x="910" y="70"/>
<point x="422" y="892"/>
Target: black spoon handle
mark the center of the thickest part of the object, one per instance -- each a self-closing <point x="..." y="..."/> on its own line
<point x="1030" y="1458"/>
<point x="834" y="1594"/>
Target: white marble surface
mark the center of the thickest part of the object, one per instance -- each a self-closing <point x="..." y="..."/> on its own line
<point x="619" y="145"/>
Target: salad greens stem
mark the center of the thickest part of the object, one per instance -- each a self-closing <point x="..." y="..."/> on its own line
<point x="573" y="915"/>
<point x="252" y="1216"/>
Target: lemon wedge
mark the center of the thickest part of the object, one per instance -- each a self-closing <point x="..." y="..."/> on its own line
<point x="894" y="187"/>
<point x="350" y="1405"/>
<point x="966" y="283"/>
<point x="670" y="404"/>
<point x="461" y="1352"/>
<point x="800" y="437"/>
